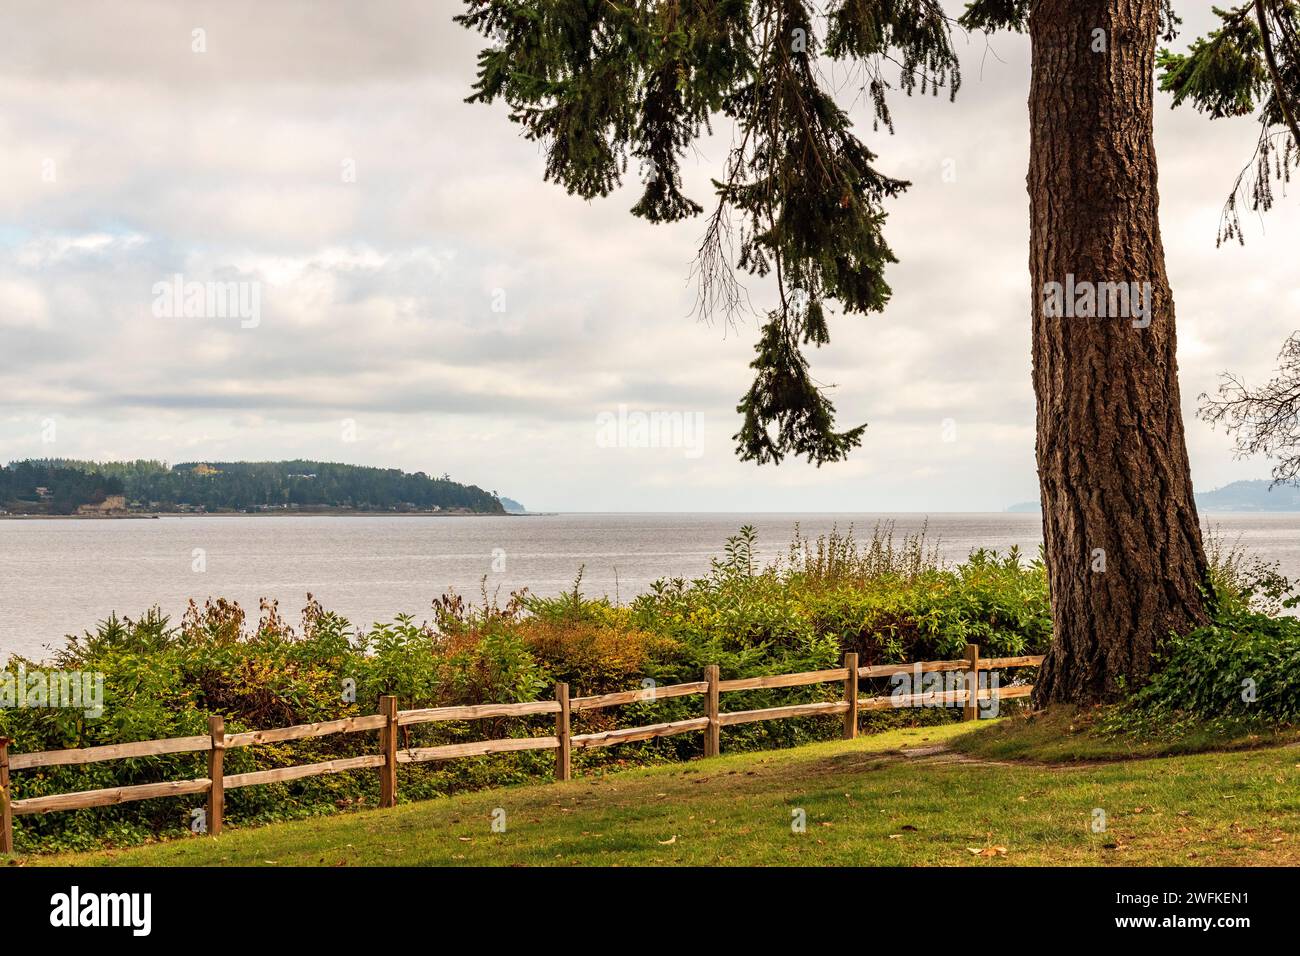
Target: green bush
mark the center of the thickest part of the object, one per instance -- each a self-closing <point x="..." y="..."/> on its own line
<point x="1243" y="669"/>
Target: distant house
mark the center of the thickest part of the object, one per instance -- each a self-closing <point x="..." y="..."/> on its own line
<point x="43" y="493"/>
<point x="110" y="505"/>
<point x="205" y="469"/>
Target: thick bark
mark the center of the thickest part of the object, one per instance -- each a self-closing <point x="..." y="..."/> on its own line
<point x="1112" y="457"/>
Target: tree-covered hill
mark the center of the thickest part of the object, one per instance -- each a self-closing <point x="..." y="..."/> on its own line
<point x="50" y="487"/>
<point x="152" y="486"/>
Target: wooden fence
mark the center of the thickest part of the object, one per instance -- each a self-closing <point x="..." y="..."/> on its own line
<point x="390" y="720"/>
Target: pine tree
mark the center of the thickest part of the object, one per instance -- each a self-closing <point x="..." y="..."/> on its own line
<point x="605" y="84"/>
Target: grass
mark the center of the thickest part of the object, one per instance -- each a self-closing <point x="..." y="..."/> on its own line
<point x="900" y="798"/>
<point x="1067" y="734"/>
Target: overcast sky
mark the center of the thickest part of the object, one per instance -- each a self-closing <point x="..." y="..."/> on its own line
<point x="466" y="317"/>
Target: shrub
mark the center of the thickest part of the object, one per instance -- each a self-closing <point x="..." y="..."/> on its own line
<point x="1243" y="669"/>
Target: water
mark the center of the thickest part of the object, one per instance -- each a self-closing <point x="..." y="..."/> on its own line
<point x="61" y="576"/>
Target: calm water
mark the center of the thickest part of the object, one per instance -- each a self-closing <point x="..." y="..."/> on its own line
<point x="61" y="576"/>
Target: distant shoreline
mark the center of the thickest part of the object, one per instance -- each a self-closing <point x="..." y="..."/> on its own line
<point x="300" y="513"/>
<point x="128" y="517"/>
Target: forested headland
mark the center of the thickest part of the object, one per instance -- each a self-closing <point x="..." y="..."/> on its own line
<point x="57" y="486"/>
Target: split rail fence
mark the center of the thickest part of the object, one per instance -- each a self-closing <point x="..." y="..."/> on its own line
<point x="390" y="720"/>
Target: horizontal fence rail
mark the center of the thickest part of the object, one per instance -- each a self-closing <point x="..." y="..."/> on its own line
<point x="349" y="725"/>
<point x="476" y="712"/>
<point x="390" y="720"/>
<point x="637" y="696"/>
<point x="84" y="755"/>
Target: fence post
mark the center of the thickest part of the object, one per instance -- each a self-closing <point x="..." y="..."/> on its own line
<point x="6" y="800"/>
<point x="563" y="755"/>
<point x="388" y="743"/>
<point x="851" y="695"/>
<point x="216" y="773"/>
<point x="713" y="732"/>
<point x="970" y="710"/>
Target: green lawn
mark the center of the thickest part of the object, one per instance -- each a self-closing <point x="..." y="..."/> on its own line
<point x="867" y="802"/>
<point x="1065" y="734"/>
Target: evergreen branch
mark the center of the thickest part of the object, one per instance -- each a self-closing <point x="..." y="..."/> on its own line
<point x="1280" y="93"/>
<point x="600" y="83"/>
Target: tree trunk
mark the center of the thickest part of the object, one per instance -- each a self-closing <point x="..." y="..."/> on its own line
<point x="1123" y="542"/>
